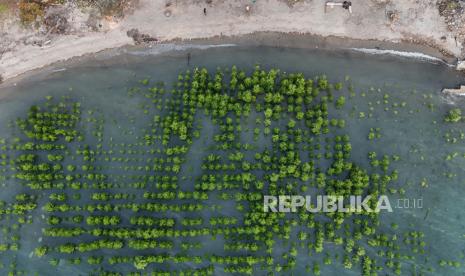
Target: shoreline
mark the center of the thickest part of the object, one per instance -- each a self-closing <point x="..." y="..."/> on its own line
<point x="307" y="40"/>
<point x="271" y="39"/>
<point x="416" y="27"/>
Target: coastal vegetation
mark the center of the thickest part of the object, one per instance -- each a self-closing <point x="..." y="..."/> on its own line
<point x="454" y="115"/>
<point x="31" y="11"/>
<point x="184" y="194"/>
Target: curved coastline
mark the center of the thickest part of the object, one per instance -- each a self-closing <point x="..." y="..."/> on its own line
<point x="273" y="39"/>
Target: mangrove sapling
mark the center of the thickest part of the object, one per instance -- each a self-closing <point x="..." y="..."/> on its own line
<point x="292" y="126"/>
<point x="453" y="116"/>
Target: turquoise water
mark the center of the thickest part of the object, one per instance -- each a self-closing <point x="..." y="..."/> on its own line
<point x="401" y="97"/>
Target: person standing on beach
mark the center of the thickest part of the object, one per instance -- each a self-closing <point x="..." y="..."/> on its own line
<point x="188" y="59"/>
<point x="205" y="11"/>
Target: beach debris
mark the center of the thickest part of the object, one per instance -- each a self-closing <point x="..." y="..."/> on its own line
<point x="37" y="41"/>
<point x="345" y="5"/>
<point x="290" y="3"/>
<point x="392" y="15"/>
<point x="59" y="70"/>
<point x="140" y="38"/>
<point x="455" y="91"/>
<point x="167" y="13"/>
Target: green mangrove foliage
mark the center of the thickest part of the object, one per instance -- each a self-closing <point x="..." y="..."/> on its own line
<point x="185" y="195"/>
<point x="453" y="116"/>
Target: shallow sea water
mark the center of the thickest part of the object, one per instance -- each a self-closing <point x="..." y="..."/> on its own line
<point x="415" y="132"/>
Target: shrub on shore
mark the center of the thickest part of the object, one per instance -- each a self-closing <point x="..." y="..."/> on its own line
<point x="30" y="11"/>
<point x="3" y="8"/>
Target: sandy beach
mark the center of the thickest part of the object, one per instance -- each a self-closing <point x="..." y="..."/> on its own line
<point x="417" y="27"/>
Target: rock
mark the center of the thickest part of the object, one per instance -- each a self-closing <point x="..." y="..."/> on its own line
<point x="56" y="19"/>
<point x="461" y="65"/>
<point x="56" y="23"/>
<point x="459" y="91"/>
<point x="139" y="37"/>
<point x="93" y="22"/>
